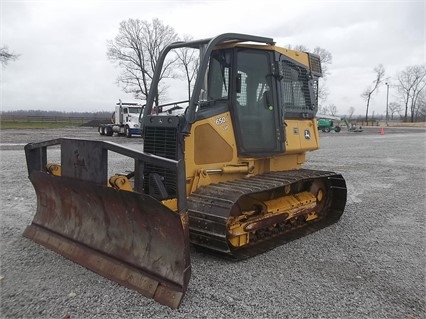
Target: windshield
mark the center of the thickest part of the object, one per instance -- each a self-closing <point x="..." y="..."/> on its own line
<point x="135" y="110"/>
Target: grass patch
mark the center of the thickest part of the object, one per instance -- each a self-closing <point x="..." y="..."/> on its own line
<point x="37" y="124"/>
<point x="415" y="124"/>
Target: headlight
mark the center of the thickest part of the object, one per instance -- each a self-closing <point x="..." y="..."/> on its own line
<point x="135" y="125"/>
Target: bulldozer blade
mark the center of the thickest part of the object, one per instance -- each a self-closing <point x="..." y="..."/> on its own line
<point x="128" y="237"/>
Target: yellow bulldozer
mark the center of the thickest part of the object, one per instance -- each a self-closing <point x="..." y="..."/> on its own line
<point x="225" y="176"/>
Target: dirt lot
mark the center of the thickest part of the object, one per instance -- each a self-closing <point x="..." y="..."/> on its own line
<point x="369" y="265"/>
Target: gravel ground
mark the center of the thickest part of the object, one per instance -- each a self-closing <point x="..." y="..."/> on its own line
<point x="371" y="264"/>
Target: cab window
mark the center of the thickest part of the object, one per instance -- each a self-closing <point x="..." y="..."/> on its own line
<point x="255" y="108"/>
<point x="218" y="76"/>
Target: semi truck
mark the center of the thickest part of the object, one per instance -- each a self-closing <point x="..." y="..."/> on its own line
<point x="125" y="120"/>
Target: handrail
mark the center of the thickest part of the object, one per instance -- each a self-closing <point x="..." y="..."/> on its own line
<point x="88" y="161"/>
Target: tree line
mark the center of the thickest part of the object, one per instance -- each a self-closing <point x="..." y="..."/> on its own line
<point x="40" y="113"/>
<point x="410" y="93"/>
<point x="138" y="45"/>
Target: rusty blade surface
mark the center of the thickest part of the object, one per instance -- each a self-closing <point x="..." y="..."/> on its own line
<point x="127" y="237"/>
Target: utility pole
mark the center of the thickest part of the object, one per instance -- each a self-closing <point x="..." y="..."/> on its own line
<point x="387" y="104"/>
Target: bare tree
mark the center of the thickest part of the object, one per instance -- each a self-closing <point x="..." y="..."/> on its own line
<point x="421" y="106"/>
<point x="351" y="112"/>
<point x="6" y="56"/>
<point x="411" y="82"/>
<point x="323" y="109"/>
<point x="189" y="61"/>
<point x="298" y="47"/>
<point x="366" y="95"/>
<point x="394" y="108"/>
<point x="332" y="109"/>
<point x="417" y="90"/>
<point x="326" y="59"/>
<point x="136" y="50"/>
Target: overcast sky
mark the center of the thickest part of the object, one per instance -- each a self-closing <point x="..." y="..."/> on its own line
<point x="62" y="44"/>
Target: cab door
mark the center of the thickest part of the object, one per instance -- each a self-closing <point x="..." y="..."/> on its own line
<point x="256" y="114"/>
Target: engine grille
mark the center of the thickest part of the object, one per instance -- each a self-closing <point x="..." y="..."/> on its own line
<point x="160" y="141"/>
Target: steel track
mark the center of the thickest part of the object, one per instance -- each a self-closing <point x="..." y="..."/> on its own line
<point x="210" y="207"/>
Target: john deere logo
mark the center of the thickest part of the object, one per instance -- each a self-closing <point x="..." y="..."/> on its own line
<point x="307" y="135"/>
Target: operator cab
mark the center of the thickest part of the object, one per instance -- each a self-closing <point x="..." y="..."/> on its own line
<point x="259" y="85"/>
<point x="242" y="80"/>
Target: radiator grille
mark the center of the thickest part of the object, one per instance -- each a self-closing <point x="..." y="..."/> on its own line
<point x="161" y="141"/>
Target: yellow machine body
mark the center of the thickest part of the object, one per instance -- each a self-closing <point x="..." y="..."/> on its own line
<point x="226" y="175"/>
<point x="202" y="153"/>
